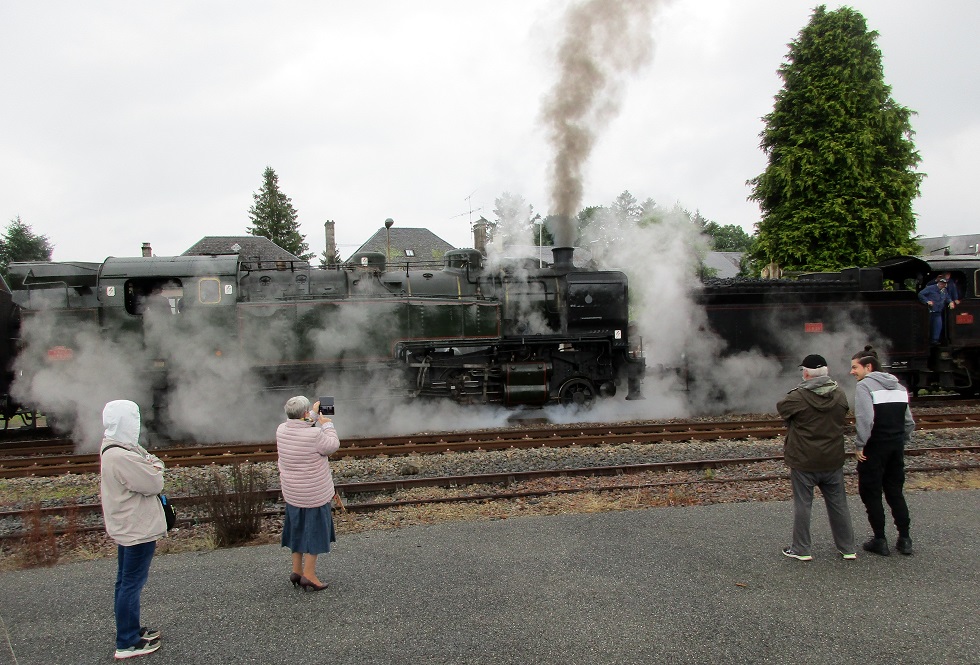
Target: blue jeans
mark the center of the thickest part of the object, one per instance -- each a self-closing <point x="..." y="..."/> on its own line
<point x="134" y="568"/>
<point x="935" y="326"/>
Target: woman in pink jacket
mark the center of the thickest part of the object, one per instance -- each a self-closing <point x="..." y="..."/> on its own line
<point x="307" y="487"/>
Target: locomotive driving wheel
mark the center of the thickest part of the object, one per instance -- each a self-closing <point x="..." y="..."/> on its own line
<point x="577" y="392"/>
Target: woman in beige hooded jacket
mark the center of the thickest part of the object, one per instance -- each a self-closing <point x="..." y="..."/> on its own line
<point x="131" y="480"/>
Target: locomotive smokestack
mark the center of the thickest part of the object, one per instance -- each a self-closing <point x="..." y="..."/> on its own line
<point x="147" y="250"/>
<point x="563" y="258"/>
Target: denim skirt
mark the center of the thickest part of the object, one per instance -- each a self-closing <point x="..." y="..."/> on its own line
<point x="308" y="530"/>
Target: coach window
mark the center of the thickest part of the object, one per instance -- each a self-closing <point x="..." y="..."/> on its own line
<point x="209" y="290"/>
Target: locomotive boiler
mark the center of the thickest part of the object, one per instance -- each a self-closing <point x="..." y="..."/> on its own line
<point x="518" y="334"/>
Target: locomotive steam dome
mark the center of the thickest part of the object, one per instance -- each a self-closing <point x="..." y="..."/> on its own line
<point x="368" y="261"/>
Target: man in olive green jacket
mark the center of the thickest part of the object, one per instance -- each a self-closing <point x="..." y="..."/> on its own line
<point x="816" y="413"/>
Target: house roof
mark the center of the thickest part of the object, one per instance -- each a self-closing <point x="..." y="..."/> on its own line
<point x="254" y="248"/>
<point x="965" y="244"/>
<point x="408" y="245"/>
<point x="725" y="263"/>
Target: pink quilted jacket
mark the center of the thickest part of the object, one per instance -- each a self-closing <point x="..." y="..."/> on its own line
<point x="304" y="472"/>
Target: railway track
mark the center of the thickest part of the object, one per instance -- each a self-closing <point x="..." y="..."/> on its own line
<point x="372" y="496"/>
<point x="27" y="462"/>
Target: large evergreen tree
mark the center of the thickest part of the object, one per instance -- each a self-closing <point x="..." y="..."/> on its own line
<point x="20" y="243"/>
<point x="840" y="182"/>
<point x="274" y="217"/>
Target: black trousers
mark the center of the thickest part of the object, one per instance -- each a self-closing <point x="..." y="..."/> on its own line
<point x="884" y="472"/>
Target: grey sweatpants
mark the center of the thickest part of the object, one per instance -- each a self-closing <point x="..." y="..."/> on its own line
<point x="831" y="484"/>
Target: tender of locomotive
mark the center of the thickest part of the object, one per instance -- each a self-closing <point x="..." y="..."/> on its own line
<point x="768" y="315"/>
<point x="516" y="335"/>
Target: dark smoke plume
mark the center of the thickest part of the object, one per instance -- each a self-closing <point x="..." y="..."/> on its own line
<point x="603" y="42"/>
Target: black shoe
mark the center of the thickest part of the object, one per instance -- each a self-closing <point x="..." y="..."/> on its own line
<point x="310" y="586"/>
<point x="877" y="546"/>
<point x="149" y="634"/>
<point x="904" y="545"/>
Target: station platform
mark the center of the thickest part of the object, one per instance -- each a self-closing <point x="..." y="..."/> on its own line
<point x="702" y="584"/>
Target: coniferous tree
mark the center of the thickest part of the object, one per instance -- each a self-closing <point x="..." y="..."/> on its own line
<point x="840" y="182"/>
<point x="20" y="243"/>
<point x="274" y="217"/>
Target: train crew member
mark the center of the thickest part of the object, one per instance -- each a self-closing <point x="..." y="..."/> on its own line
<point x="937" y="297"/>
<point x="307" y="487"/>
<point x="954" y="291"/>
<point x="131" y="480"/>
<point x="816" y="413"/>
<point x="884" y="425"/>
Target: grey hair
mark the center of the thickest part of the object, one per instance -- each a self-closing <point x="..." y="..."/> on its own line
<point x="819" y="371"/>
<point x="296" y="407"/>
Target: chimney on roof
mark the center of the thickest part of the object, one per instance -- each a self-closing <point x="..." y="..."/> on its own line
<point x="331" y="240"/>
<point x="147" y="250"/>
<point x="480" y="235"/>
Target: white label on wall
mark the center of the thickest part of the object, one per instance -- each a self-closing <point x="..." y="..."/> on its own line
<point x="110" y="291"/>
<point x="227" y="289"/>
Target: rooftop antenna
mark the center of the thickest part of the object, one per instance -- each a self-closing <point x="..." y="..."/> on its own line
<point x="469" y="200"/>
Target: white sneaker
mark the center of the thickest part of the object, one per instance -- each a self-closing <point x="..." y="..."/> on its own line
<point x="141" y="648"/>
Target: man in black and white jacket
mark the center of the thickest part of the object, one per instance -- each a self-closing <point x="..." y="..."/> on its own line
<point x="884" y="425"/>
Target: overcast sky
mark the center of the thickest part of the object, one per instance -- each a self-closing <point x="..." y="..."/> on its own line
<point x="131" y="122"/>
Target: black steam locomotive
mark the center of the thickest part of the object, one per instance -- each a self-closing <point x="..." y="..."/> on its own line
<point x="522" y="333"/>
<point x="876" y="305"/>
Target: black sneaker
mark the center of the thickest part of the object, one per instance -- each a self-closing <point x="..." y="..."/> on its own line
<point x="149" y="634"/>
<point x="788" y="551"/>
<point x="877" y="546"/>
<point x="904" y="545"/>
<point x="141" y="648"/>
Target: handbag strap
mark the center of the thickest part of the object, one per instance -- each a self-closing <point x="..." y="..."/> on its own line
<point x="162" y="496"/>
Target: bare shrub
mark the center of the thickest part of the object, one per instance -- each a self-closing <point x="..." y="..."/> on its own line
<point x="234" y="500"/>
<point x="40" y="547"/>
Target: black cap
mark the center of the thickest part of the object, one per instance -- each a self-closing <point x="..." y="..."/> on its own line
<point x="813" y="361"/>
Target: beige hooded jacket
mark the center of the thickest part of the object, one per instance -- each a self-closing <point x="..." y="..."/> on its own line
<point x="131" y="479"/>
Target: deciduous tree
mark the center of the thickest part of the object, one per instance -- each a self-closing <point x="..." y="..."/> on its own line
<point x="839" y="186"/>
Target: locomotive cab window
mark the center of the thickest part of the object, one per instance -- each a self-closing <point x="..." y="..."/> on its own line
<point x="161" y="296"/>
<point x="598" y="302"/>
<point x="209" y="290"/>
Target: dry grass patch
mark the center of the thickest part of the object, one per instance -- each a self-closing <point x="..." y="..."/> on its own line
<point x="946" y="480"/>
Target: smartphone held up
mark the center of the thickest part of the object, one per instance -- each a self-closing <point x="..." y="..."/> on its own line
<point x="326" y="406"/>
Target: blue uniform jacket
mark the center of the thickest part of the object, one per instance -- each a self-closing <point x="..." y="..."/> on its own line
<point x="939" y="297"/>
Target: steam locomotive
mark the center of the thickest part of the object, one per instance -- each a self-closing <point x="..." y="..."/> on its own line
<point x="877" y="305"/>
<point x="522" y="333"/>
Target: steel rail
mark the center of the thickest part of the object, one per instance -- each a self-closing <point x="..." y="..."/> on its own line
<point x="502" y="478"/>
<point x="374" y="506"/>
<point x="464" y="441"/>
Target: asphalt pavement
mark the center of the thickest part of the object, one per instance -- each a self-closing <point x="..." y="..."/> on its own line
<point x="701" y="584"/>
